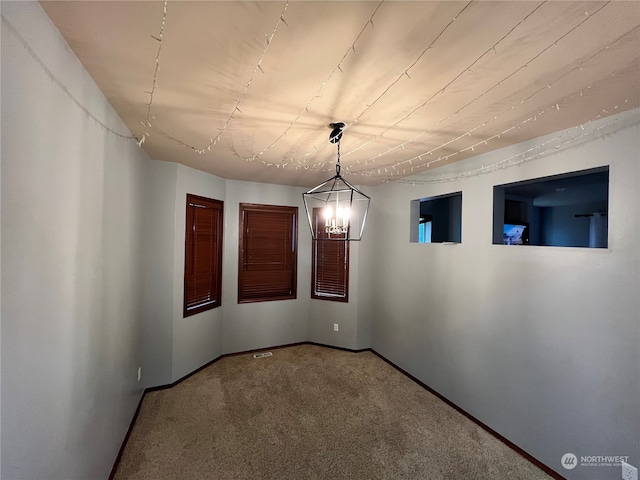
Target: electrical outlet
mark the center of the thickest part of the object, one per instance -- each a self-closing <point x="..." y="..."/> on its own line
<point x="629" y="472"/>
<point x="139" y="373"/>
<point x="335" y="327"/>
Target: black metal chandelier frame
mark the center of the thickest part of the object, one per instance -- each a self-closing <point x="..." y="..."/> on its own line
<point x="345" y="196"/>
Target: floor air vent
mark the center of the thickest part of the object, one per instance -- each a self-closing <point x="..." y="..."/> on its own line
<point x="262" y="355"/>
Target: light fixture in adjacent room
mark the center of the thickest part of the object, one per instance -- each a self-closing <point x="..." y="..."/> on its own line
<point x="336" y="210"/>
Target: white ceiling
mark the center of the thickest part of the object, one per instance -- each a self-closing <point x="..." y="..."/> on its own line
<point x="254" y="85"/>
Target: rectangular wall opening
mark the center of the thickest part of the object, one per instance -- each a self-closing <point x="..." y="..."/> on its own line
<point x="437" y="219"/>
<point x="568" y="210"/>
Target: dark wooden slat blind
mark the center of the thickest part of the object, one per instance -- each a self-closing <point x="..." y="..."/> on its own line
<point x="267" y="267"/>
<point x="329" y="265"/>
<point x="203" y="255"/>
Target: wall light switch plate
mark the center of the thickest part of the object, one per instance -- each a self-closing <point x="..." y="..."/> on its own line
<point x="629" y="472"/>
<point x="139" y="373"/>
<point x="335" y="327"/>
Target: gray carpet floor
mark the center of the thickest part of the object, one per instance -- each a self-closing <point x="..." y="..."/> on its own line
<point x="310" y="412"/>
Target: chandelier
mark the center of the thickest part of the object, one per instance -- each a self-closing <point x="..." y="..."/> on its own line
<point x="336" y="210"/>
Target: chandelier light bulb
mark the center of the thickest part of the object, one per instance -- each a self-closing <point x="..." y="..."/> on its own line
<point x="343" y="214"/>
<point x="328" y="216"/>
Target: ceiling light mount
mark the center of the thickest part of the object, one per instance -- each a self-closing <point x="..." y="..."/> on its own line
<point x="336" y="210"/>
<point x="336" y="133"/>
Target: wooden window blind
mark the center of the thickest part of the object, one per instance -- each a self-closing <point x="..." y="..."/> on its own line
<point x="329" y="265"/>
<point x="267" y="268"/>
<point x="203" y="255"/>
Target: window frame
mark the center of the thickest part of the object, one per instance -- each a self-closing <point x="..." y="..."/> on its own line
<point x="292" y="259"/>
<point x="342" y="248"/>
<point x="216" y="245"/>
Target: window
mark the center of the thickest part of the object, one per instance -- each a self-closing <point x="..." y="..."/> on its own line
<point x="329" y="264"/>
<point x="424" y="230"/>
<point x="268" y="241"/>
<point x="437" y="219"/>
<point x="203" y="255"/>
<point x="568" y="210"/>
